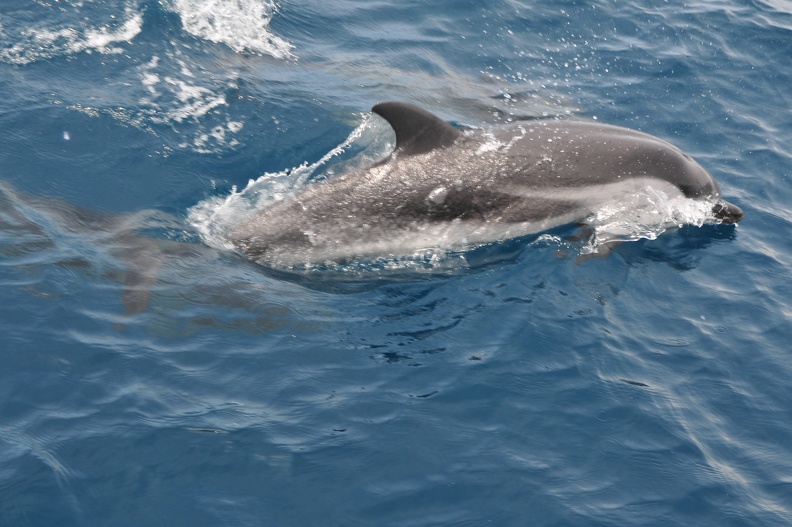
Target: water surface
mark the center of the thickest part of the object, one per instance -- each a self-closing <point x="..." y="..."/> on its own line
<point x="509" y="385"/>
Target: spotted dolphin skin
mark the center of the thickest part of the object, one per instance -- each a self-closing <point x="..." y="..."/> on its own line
<point x="444" y="187"/>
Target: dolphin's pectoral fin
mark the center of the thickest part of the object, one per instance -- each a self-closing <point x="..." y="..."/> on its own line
<point x="417" y="131"/>
<point x="601" y="252"/>
<point x="584" y="233"/>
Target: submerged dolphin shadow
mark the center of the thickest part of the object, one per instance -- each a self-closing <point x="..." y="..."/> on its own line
<point x="115" y="246"/>
<point x="146" y="253"/>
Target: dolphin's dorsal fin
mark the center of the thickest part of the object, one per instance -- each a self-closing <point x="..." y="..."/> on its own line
<point x="417" y="131"/>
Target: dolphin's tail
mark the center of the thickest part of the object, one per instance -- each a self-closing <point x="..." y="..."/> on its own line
<point x="727" y="212"/>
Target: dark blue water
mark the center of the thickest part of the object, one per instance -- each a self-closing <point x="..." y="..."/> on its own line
<point x="512" y="385"/>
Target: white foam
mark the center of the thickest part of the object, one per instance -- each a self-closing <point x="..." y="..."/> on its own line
<point x="243" y="25"/>
<point x="42" y="42"/>
<point x="174" y="95"/>
<point x="102" y="38"/>
<point x="185" y="99"/>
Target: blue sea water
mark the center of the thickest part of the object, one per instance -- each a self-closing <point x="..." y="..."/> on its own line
<point x="510" y="385"/>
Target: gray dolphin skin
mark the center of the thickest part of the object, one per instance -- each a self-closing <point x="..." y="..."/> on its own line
<point x="445" y="187"/>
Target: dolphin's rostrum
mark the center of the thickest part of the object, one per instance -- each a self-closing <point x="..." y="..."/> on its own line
<point x="443" y="187"/>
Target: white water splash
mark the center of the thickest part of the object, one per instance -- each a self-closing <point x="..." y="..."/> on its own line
<point x="212" y="217"/>
<point x="243" y="25"/>
<point x="644" y="215"/>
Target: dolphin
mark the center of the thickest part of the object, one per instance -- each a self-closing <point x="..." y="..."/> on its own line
<point x="446" y="187"/>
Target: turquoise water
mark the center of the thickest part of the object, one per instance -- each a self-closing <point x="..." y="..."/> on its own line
<point x="512" y="384"/>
